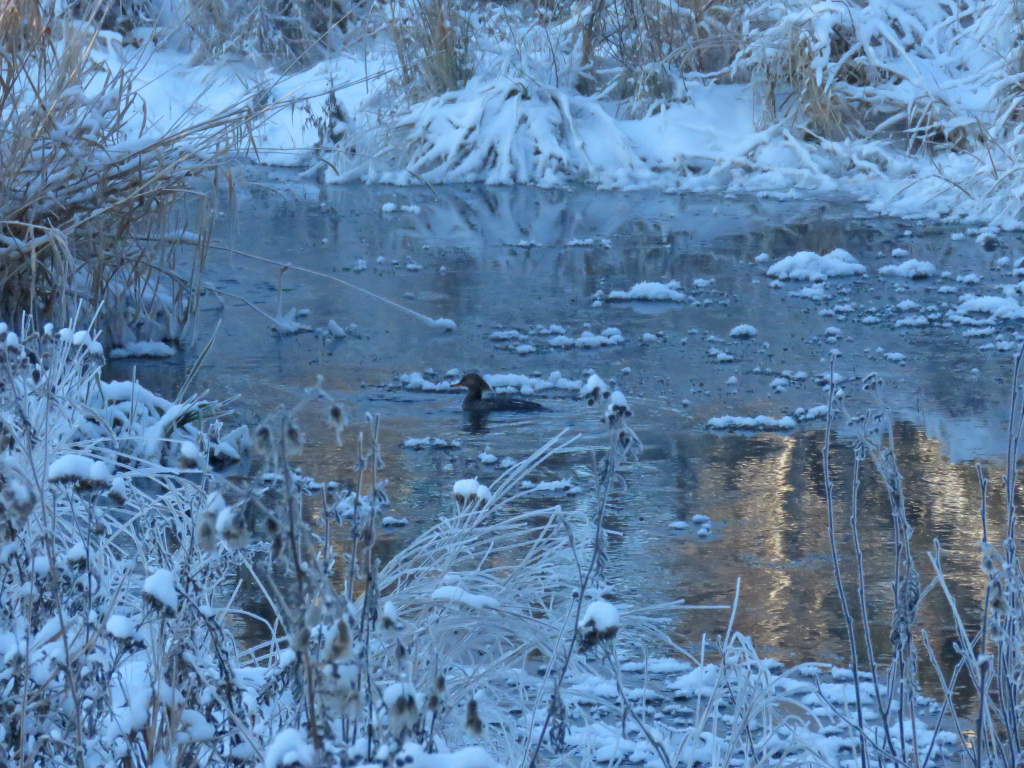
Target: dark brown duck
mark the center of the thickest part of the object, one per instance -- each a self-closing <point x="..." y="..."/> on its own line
<point x="475" y="401"/>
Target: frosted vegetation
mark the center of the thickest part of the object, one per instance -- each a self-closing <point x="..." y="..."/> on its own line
<point x="493" y="638"/>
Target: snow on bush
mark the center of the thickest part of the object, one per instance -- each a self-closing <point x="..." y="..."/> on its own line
<point x="289" y="749"/>
<point x="501" y="132"/>
<point x="159" y="587"/>
<point x="807" y="265"/>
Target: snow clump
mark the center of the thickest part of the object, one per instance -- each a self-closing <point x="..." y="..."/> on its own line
<point x="807" y="265"/>
<point x="912" y="268"/>
<point x="159" y="588"/>
<point x="743" y="331"/>
<point x="650" y="292"/>
<point x="760" y="423"/>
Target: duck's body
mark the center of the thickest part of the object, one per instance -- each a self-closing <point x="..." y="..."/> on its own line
<point x="475" y="401"/>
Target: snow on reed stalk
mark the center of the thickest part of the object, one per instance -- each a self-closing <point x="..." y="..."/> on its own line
<point x="96" y="206"/>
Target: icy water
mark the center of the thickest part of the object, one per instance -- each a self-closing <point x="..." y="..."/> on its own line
<point x="515" y="258"/>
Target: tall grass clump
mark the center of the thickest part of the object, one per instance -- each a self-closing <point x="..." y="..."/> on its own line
<point x="432" y="41"/>
<point x="94" y="197"/>
<point x="641" y="52"/>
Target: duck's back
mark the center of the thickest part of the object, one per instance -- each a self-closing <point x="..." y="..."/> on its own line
<point x="501" y="403"/>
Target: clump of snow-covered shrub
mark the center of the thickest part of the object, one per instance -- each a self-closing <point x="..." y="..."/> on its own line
<point x="93" y="184"/>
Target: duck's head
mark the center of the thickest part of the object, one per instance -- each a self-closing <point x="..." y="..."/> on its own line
<point x="474" y="381"/>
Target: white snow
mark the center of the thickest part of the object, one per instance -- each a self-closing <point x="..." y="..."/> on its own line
<point x="650" y="292"/>
<point x="997" y="307"/>
<point x="754" y="423"/>
<point x="602" y="615"/>
<point x="160" y="586"/>
<point x="470" y="489"/>
<point x="743" y="331"/>
<point x="121" y="627"/>
<point x="588" y="339"/>
<point x="79" y="468"/>
<point x="911" y="268"/>
<point x="913" y="321"/>
<point x="807" y="265"/>
<point x="459" y="595"/>
<point x="431" y="442"/>
<point x="289" y="749"/>
<point x="143" y="349"/>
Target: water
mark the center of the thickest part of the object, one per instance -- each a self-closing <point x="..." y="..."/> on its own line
<point x="507" y="265"/>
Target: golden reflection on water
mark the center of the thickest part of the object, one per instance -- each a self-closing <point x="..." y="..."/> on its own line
<point x="766" y="496"/>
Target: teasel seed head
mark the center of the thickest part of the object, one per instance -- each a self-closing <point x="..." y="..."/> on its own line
<point x="339" y="641"/>
<point x="262" y="439"/>
<point x="292" y="438"/>
<point x="473" y="722"/>
<point x="206" y="533"/>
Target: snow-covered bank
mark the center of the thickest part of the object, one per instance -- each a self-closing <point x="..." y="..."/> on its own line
<point x="905" y="105"/>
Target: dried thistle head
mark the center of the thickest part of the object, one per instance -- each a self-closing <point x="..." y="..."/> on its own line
<point x="18" y="499"/>
<point x="600" y="624"/>
<point x="299" y="640"/>
<point x="232" y="528"/>
<point x="389" y="620"/>
<point x="263" y="439"/>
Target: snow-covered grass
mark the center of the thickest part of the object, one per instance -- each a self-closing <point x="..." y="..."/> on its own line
<point x="910" y="104"/>
<point x="990" y="655"/>
<point x="124" y="551"/>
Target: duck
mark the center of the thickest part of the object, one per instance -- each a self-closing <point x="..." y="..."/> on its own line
<point x="475" y="401"/>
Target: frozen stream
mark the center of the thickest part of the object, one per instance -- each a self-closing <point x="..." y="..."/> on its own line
<point x="504" y="258"/>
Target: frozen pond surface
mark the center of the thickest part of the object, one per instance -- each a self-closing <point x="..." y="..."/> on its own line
<point x="518" y="258"/>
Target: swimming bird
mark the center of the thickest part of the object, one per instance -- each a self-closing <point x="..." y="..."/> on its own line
<point x="475" y="401"/>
